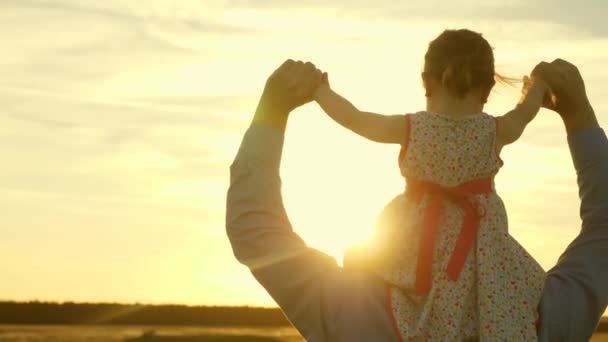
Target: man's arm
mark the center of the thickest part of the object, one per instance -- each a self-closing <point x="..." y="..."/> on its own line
<point x="323" y="301"/>
<point x="262" y="237"/>
<point x="576" y="289"/>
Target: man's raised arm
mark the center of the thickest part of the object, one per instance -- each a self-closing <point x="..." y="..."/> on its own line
<point x="319" y="298"/>
<point x="576" y="289"/>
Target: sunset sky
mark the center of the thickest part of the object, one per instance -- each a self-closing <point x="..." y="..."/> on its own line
<point x="120" y="118"/>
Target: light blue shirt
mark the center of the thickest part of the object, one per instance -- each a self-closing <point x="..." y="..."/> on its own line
<point x="328" y="303"/>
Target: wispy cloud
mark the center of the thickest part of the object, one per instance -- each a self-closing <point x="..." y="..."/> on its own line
<point x="582" y="17"/>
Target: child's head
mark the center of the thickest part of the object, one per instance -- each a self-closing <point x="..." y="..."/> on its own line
<point x="460" y="61"/>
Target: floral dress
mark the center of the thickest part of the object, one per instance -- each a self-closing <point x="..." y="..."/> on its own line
<point x="487" y="290"/>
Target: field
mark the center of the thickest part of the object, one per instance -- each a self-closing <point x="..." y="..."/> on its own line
<point x="91" y="333"/>
<point x="37" y="333"/>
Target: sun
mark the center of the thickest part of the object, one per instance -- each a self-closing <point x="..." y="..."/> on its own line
<point x="334" y="183"/>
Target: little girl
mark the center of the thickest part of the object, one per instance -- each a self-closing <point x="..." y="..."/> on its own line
<point x="454" y="272"/>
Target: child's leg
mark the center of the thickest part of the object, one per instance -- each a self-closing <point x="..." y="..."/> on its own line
<point x="576" y="289"/>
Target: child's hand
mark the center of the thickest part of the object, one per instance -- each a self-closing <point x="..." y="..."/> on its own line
<point x="536" y="90"/>
<point x="525" y="89"/>
<point x="323" y="86"/>
<point x="325" y="79"/>
<point x="549" y="98"/>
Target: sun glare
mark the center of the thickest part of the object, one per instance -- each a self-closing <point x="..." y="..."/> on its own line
<point x="335" y="183"/>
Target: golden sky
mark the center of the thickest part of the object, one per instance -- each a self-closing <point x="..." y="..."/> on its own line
<point x="120" y="118"/>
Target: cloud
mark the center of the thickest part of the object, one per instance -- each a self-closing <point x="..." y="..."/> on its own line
<point x="126" y="12"/>
<point x="77" y="147"/>
<point x="584" y="17"/>
<point x="68" y="6"/>
<point x="92" y="42"/>
<point x="50" y="123"/>
<point x="67" y="111"/>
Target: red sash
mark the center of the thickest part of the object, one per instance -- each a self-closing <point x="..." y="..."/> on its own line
<point x="462" y="195"/>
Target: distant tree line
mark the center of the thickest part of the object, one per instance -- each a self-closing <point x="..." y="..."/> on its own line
<point x="91" y="313"/>
<point x="137" y="314"/>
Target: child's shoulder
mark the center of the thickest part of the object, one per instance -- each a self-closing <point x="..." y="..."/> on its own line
<point x="434" y="116"/>
<point x="437" y="125"/>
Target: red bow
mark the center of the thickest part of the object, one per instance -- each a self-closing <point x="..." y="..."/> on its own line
<point x="462" y="195"/>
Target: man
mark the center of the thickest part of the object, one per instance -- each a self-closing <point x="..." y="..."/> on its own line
<point x="328" y="303"/>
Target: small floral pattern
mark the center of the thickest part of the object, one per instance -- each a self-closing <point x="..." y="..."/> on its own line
<point x="497" y="293"/>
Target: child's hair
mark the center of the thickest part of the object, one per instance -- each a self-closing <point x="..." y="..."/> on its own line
<point x="461" y="60"/>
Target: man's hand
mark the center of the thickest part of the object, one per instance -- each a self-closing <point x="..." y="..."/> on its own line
<point x="290" y="86"/>
<point x="568" y="96"/>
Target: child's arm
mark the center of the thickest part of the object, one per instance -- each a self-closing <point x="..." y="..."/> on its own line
<point x="389" y="129"/>
<point x="511" y="125"/>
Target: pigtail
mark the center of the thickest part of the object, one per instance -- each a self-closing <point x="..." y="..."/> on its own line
<point x="502" y="79"/>
<point x="458" y="76"/>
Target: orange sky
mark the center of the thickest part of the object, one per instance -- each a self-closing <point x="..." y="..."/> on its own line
<point x="120" y="119"/>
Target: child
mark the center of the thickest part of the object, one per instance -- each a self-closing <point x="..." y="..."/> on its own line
<point x="454" y="272"/>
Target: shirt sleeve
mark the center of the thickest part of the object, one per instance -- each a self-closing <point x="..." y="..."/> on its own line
<point x="576" y="289"/>
<point x="323" y="301"/>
